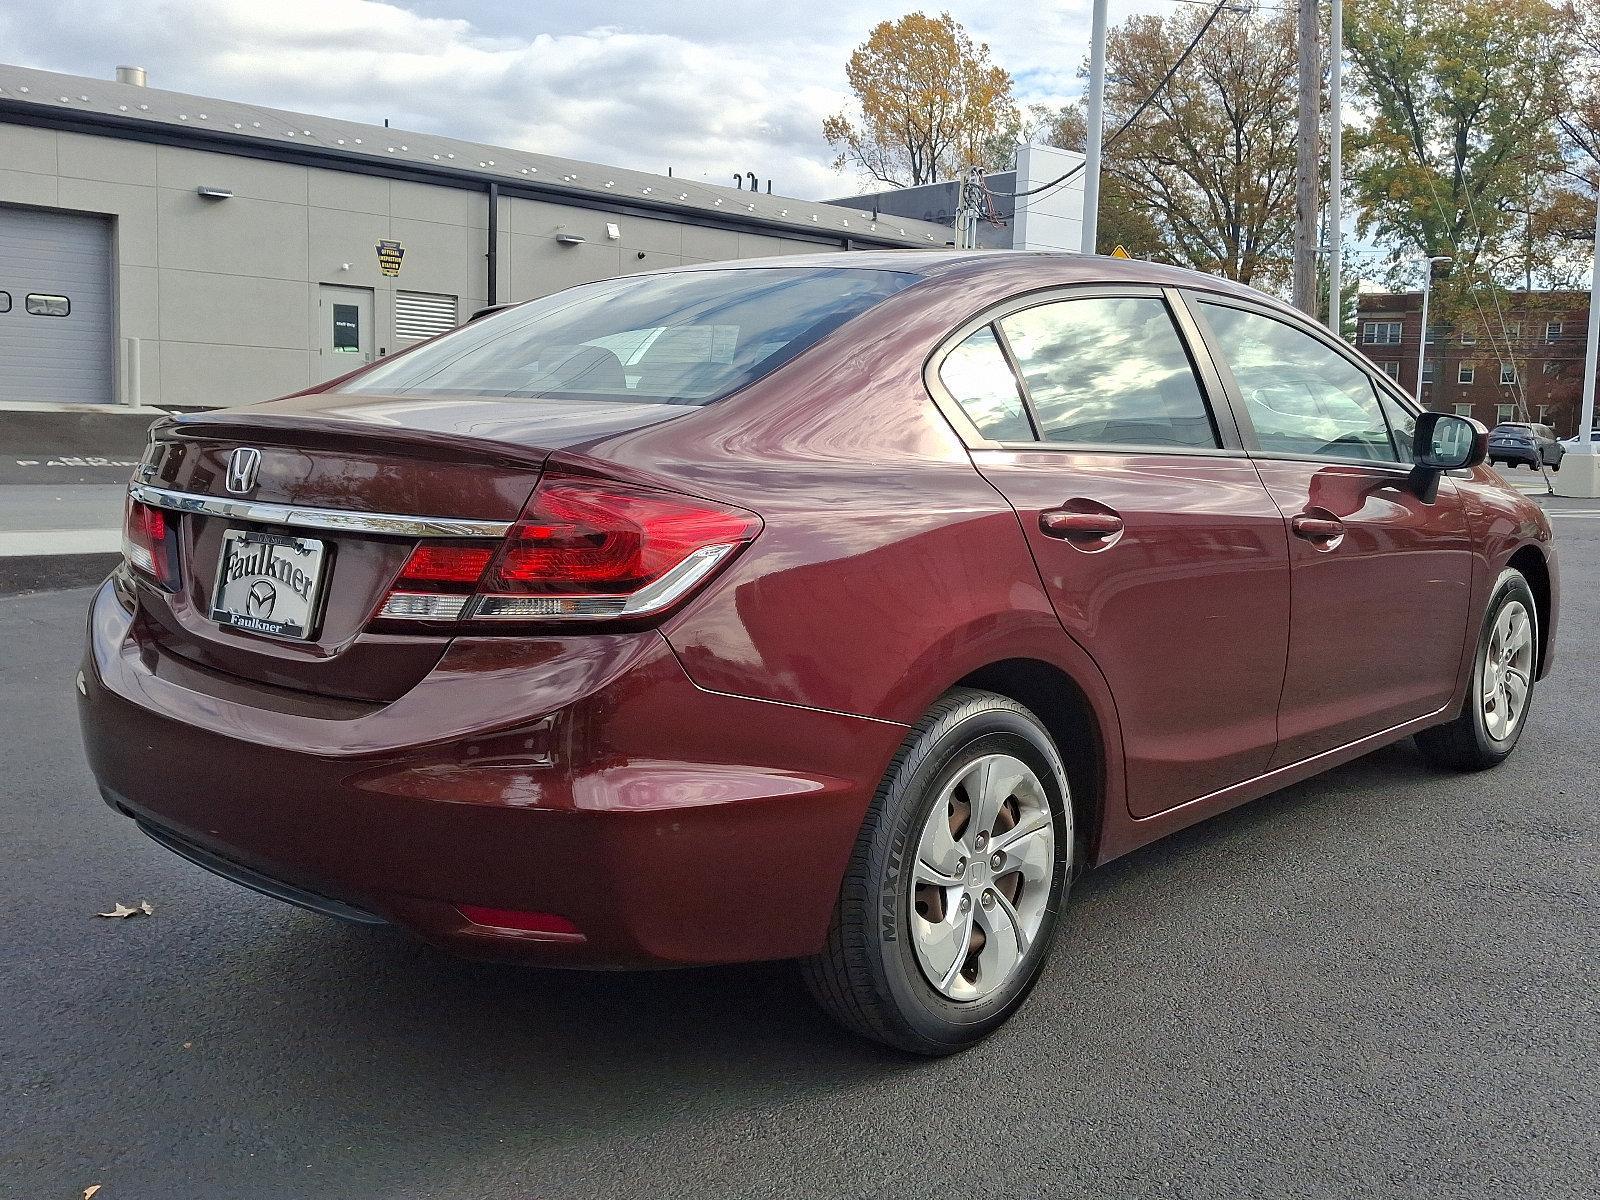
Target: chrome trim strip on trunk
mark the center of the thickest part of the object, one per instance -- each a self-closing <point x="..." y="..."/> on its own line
<point x="336" y="520"/>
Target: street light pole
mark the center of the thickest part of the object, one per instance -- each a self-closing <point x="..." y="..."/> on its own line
<point x="1092" y="143"/>
<point x="1581" y="476"/>
<point x="1427" y="290"/>
<point x="1591" y="361"/>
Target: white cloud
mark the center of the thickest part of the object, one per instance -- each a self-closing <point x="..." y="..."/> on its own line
<point x="708" y="89"/>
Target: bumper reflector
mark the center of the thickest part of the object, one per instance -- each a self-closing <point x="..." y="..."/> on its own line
<point x="549" y="925"/>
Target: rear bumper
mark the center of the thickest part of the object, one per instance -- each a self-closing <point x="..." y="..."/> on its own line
<point x="1514" y="454"/>
<point x="585" y="777"/>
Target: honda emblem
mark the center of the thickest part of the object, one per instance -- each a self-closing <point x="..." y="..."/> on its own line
<point x="243" y="464"/>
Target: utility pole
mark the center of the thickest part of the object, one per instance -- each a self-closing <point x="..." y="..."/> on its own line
<point x="969" y="197"/>
<point x="1305" y="182"/>
<point x="1335" y="166"/>
<point x="1096" y="119"/>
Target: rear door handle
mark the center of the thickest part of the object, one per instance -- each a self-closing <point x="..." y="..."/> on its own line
<point x="1317" y="529"/>
<point x="1065" y="523"/>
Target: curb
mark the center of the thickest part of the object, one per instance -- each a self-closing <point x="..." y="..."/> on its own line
<point x="22" y="574"/>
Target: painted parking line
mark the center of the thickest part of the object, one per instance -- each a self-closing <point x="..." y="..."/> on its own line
<point x="1590" y="513"/>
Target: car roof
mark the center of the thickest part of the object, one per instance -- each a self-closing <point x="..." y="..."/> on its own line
<point x="1052" y="267"/>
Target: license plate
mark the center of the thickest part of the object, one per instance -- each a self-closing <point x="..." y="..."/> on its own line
<point x="268" y="583"/>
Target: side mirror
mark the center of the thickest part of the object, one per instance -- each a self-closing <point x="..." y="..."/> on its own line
<point x="1444" y="442"/>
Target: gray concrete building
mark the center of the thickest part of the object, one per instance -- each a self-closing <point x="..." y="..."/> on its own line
<point x="165" y="249"/>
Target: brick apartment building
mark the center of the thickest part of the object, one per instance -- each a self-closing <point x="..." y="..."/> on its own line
<point x="1474" y="371"/>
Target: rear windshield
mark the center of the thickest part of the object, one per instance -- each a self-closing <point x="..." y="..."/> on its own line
<point x="687" y="337"/>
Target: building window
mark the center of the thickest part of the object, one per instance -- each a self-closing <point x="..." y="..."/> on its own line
<point x="1552" y="366"/>
<point x="1391" y="369"/>
<point x="423" y="314"/>
<point x="48" y="306"/>
<point x="1463" y="410"/>
<point x="1508" y="372"/>
<point x="1466" y="373"/>
<point x="1544" y="411"/>
<point x="1381" y="333"/>
<point x="1504" y="413"/>
<point x="5" y="302"/>
<point x="1469" y="335"/>
<point x="1427" y="372"/>
<point x="1552" y="330"/>
<point x="1514" y="331"/>
<point x="1436" y="333"/>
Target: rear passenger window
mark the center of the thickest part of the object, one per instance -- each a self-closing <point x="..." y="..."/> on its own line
<point x="1303" y="397"/>
<point x="48" y="306"/>
<point x="977" y="375"/>
<point x="1109" y="372"/>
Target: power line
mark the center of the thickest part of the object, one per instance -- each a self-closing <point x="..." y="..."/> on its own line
<point x="1144" y="104"/>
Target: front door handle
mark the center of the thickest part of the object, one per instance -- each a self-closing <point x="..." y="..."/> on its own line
<point x="1066" y="523"/>
<point x="1317" y="529"/>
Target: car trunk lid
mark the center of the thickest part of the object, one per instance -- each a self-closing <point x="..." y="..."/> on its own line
<point x="342" y="486"/>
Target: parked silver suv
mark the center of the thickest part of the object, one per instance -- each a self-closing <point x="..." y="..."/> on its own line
<point x="1514" y="442"/>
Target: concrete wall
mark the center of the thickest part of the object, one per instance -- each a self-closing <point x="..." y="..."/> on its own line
<point x="222" y="294"/>
<point x="1052" y="219"/>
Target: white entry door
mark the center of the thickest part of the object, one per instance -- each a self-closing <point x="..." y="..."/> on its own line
<point x="345" y="317"/>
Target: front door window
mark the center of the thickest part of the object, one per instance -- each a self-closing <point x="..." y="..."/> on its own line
<point x="1303" y="398"/>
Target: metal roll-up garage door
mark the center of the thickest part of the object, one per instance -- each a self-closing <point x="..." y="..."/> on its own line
<point x="56" y="326"/>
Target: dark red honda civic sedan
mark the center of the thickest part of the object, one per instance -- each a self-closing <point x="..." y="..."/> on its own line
<point x="840" y="608"/>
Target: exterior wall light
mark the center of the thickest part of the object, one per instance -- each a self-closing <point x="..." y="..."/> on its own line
<point x="214" y="193"/>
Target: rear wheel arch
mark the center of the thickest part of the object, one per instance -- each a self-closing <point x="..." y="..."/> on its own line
<point x="1531" y="563"/>
<point x="1064" y="709"/>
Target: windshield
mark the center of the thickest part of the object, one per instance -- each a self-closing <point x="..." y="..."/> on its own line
<point x="686" y="337"/>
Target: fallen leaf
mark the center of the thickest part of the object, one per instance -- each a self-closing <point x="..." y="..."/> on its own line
<point x="90" y="1191"/>
<point x="121" y="910"/>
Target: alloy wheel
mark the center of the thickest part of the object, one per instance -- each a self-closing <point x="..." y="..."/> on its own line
<point x="1507" y="671"/>
<point x="981" y="884"/>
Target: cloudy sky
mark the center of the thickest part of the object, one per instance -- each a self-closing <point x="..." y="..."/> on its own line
<point x="708" y="87"/>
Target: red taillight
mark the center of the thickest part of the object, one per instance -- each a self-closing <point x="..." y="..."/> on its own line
<point x="581" y="550"/>
<point x="150" y="543"/>
<point x="583" y="539"/>
<point x="430" y="566"/>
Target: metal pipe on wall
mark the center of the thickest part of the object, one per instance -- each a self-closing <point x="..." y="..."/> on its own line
<point x="493" y="257"/>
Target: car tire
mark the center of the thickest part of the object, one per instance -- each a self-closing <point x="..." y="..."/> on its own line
<point x="893" y="930"/>
<point x="1490" y="722"/>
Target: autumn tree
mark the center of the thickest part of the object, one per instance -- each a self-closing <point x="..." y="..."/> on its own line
<point x="1580" y="112"/>
<point x="1461" y="155"/>
<point x="929" y="99"/>
<point x="1210" y="162"/>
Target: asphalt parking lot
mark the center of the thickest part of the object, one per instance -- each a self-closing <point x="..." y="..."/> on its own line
<point x="1379" y="983"/>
